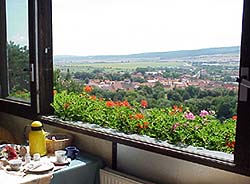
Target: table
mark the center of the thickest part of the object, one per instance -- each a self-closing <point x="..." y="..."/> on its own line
<point x="82" y="170"/>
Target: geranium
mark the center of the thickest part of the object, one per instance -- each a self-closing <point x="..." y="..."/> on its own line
<point x="126" y="103"/>
<point x="177" y="109"/>
<point x="189" y="115"/>
<point x="168" y="123"/>
<point x="230" y="144"/>
<point x="144" y="103"/>
<point x="234" y="118"/>
<point x="204" y="113"/>
<point x="139" y="116"/>
<point x="110" y="104"/>
<point x="175" y="126"/>
<point x="140" y="126"/>
<point x="87" y="89"/>
<point x="145" y="124"/>
<point x="93" y="97"/>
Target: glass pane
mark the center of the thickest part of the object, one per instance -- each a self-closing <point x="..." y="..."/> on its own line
<point x="18" y="50"/>
<point x="176" y="60"/>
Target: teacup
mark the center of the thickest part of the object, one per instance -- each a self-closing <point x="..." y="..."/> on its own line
<point x="15" y="164"/>
<point x="60" y="156"/>
<point x="72" y="151"/>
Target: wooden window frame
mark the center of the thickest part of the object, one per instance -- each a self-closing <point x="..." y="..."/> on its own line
<point x="40" y="56"/>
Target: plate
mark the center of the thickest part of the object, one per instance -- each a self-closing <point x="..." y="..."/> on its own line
<point x="40" y="167"/>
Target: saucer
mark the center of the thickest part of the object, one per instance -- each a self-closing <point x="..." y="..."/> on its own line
<point x="11" y="169"/>
<point x="66" y="162"/>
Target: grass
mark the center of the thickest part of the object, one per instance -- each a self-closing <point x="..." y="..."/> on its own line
<point x="116" y="66"/>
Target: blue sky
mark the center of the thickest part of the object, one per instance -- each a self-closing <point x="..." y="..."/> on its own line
<point x="17" y="21"/>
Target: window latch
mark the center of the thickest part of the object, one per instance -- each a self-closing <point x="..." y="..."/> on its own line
<point x="244" y="84"/>
<point x="32" y="72"/>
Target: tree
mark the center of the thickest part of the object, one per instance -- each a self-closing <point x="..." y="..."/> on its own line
<point x="18" y="66"/>
<point x="174" y="96"/>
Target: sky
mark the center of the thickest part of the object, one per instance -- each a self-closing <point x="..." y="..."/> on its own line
<point x="101" y="27"/>
<point x="17" y="21"/>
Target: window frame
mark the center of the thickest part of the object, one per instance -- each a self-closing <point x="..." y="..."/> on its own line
<point x="41" y="40"/>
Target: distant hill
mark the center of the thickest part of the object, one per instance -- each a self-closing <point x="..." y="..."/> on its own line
<point x="150" y="55"/>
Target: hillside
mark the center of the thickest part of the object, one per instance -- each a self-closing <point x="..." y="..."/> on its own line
<point x="145" y="56"/>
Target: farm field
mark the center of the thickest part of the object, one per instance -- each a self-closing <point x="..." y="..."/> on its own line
<point x="116" y="66"/>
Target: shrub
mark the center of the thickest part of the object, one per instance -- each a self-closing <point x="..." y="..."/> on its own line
<point x="177" y="124"/>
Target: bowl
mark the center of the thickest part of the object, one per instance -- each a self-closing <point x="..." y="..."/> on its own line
<point x="15" y="164"/>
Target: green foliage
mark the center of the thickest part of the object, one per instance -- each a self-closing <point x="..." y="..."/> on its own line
<point x="64" y="81"/>
<point x="176" y="125"/>
<point x="18" y="62"/>
<point x="18" y="71"/>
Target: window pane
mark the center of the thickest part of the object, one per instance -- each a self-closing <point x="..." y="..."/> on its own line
<point x="120" y="51"/>
<point x="18" y="74"/>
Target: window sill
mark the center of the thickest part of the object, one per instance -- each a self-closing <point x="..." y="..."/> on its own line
<point x="201" y="156"/>
<point x="17" y="108"/>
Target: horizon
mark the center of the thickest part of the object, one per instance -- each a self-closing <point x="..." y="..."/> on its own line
<point x="147" y="52"/>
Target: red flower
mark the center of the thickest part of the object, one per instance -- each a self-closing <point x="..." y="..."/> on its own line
<point x="110" y="104"/>
<point x="118" y="103"/>
<point x="93" y="97"/>
<point x="140" y="126"/>
<point x="234" y="118"/>
<point x="66" y="106"/>
<point x="177" y="109"/>
<point x="87" y="89"/>
<point x="230" y="144"/>
<point x="139" y="116"/>
<point x="144" y="103"/>
<point x="126" y="103"/>
<point x="145" y="124"/>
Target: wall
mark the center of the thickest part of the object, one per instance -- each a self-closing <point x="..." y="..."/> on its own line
<point x="95" y="146"/>
<point x="140" y="163"/>
<point x="163" y="169"/>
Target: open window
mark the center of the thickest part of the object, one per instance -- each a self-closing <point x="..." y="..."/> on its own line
<point x="21" y="55"/>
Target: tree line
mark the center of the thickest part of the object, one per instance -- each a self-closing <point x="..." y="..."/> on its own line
<point x="221" y="101"/>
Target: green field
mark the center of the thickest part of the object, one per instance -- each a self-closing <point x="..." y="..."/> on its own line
<point x="116" y="66"/>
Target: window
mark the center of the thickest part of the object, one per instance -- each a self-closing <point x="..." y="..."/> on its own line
<point x="21" y="88"/>
<point x="124" y="58"/>
<point x="18" y="85"/>
<point x="40" y="52"/>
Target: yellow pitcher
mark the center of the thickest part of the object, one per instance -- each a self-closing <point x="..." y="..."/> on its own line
<point x="37" y="139"/>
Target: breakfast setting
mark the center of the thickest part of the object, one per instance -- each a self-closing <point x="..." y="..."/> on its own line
<point x="36" y="162"/>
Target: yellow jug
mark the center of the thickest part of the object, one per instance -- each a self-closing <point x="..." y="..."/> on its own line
<point x="37" y="139"/>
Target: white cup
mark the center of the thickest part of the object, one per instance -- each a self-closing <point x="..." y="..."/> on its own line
<point x="36" y="157"/>
<point x="60" y="156"/>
